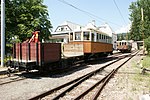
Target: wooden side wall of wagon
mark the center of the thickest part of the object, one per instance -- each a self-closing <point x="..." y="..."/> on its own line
<point x="35" y="55"/>
<point x="73" y="50"/>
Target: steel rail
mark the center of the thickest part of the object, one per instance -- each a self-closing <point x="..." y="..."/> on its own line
<point x="77" y="83"/>
<point x="80" y="81"/>
<point x="108" y="78"/>
<point x="14" y="78"/>
<point x="71" y="82"/>
<point x="13" y="81"/>
<point x="92" y="87"/>
<point x="104" y="83"/>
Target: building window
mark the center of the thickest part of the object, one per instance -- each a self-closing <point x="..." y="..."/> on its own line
<point x="86" y="35"/>
<point x="62" y="28"/>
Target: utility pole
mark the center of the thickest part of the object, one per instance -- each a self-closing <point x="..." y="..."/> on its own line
<point x="142" y="29"/>
<point x="2" y="32"/>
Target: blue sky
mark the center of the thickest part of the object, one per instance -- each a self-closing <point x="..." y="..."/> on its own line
<point x="103" y="9"/>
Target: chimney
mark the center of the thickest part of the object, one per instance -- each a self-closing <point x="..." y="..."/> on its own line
<point x="93" y="22"/>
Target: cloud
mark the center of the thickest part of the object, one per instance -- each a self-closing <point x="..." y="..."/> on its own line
<point x="124" y="29"/>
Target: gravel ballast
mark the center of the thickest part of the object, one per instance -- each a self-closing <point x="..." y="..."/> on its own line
<point x="26" y="89"/>
<point x="121" y="87"/>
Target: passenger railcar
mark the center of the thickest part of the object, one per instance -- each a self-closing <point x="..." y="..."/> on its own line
<point x="124" y="46"/>
<point x="92" y="43"/>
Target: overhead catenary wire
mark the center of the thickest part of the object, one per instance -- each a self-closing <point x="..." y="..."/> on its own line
<point x="87" y="13"/>
<point x="119" y="11"/>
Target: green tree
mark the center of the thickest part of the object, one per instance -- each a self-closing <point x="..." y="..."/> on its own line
<point x="23" y="16"/>
<point x="138" y="26"/>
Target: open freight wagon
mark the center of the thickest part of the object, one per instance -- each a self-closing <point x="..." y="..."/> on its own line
<point x="35" y="55"/>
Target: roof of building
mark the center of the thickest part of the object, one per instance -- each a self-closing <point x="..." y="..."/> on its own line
<point x="68" y="26"/>
<point x="106" y="29"/>
<point x="72" y="25"/>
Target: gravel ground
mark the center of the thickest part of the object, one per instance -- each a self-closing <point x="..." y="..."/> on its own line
<point x="126" y="84"/>
<point x="25" y="89"/>
<point x="121" y="87"/>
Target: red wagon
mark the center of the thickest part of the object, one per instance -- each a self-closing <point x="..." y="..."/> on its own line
<point x="35" y="55"/>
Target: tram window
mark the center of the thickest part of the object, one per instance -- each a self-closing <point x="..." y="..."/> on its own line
<point x="104" y="38"/>
<point x="92" y="36"/>
<point x="86" y="35"/>
<point x="77" y="36"/>
<point x="120" y="43"/>
<point x="125" y="43"/>
<point x="109" y="39"/>
<point x="71" y="36"/>
<point x="97" y="36"/>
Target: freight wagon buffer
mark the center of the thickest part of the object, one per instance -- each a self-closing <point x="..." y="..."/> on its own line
<point x="35" y="55"/>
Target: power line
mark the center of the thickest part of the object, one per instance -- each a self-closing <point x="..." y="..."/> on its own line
<point x="91" y="15"/>
<point x="88" y="13"/>
<point x="119" y="11"/>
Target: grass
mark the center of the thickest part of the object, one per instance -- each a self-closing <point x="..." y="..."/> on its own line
<point x="146" y="62"/>
<point x="141" y="81"/>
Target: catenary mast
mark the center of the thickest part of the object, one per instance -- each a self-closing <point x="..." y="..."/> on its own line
<point x="2" y="32"/>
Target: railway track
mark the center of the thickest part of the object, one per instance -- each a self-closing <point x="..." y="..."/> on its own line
<point x="17" y="77"/>
<point x="6" y="74"/>
<point x="80" y="64"/>
<point x="88" y="86"/>
<point x="14" y="77"/>
<point x="7" y="80"/>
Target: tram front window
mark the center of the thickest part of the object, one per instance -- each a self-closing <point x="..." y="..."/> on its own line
<point x="77" y="36"/>
<point x="71" y="36"/>
<point x="86" y="35"/>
